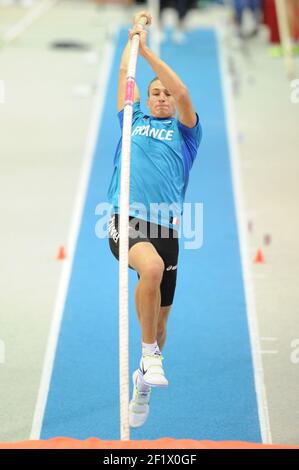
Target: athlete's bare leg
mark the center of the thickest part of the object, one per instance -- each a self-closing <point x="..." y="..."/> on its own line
<point x="144" y="258"/>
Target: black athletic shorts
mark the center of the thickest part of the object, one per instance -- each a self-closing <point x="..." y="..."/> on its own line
<point x="164" y="240"/>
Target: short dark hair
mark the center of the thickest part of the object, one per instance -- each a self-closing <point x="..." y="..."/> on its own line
<point x="149" y="86"/>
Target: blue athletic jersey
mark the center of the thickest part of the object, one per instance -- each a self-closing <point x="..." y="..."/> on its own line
<point x="162" y="153"/>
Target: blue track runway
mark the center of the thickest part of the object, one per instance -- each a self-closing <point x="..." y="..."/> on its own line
<point x="207" y="355"/>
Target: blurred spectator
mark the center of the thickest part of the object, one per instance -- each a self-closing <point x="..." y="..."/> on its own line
<point x="182" y="7"/>
<point x="247" y="15"/>
<point x="270" y="19"/>
<point x="293" y="16"/>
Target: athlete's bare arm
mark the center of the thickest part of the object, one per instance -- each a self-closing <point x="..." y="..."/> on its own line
<point x="122" y="79"/>
<point x="124" y="67"/>
<point x="170" y="80"/>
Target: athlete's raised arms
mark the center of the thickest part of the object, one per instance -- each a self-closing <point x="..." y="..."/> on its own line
<point x="123" y="67"/>
<point x="168" y="78"/>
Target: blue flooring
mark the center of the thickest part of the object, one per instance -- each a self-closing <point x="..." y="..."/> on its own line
<point x="207" y="355"/>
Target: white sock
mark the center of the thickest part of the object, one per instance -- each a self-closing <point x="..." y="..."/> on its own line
<point x="150" y="348"/>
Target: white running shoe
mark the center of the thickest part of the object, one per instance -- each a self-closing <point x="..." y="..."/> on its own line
<point x="139" y="405"/>
<point x="152" y="369"/>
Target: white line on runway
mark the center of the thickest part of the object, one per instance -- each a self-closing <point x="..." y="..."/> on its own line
<point x="244" y="252"/>
<point x="27" y="20"/>
<point x="102" y="85"/>
<point x="268" y="352"/>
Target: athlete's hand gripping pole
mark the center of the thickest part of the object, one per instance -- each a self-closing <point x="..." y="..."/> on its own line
<point x="124" y="234"/>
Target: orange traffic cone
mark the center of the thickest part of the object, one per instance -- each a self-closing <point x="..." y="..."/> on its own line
<point x="259" y="257"/>
<point x="61" y="253"/>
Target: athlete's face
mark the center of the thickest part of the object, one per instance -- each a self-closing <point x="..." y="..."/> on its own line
<point x="160" y="102"/>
